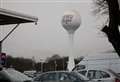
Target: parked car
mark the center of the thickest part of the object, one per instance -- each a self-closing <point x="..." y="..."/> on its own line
<point x="61" y="76"/>
<point x="11" y="75"/>
<point x="30" y="74"/>
<point x="101" y="75"/>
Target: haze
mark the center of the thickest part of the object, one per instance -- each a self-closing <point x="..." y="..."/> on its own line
<point x="48" y="37"/>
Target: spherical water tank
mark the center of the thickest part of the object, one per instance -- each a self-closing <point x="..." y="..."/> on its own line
<point x="71" y="21"/>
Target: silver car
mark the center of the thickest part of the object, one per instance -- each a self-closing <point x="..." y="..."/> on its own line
<point x="101" y="75"/>
<point x="61" y="76"/>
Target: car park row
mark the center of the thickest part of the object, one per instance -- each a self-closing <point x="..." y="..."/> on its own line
<point x="91" y="75"/>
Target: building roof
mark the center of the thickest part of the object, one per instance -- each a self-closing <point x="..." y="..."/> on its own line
<point x="11" y="17"/>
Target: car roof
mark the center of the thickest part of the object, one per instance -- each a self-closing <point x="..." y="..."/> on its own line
<point x="55" y="72"/>
<point x="102" y="69"/>
<point x="82" y="76"/>
<point x="110" y="71"/>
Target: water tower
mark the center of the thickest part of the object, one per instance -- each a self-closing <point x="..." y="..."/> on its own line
<point x="71" y="22"/>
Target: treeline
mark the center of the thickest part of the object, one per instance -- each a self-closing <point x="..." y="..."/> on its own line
<point x="19" y="63"/>
<point x="50" y="64"/>
<point x="53" y="63"/>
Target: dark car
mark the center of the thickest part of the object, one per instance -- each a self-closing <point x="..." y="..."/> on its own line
<point x="11" y="75"/>
<point x="61" y="76"/>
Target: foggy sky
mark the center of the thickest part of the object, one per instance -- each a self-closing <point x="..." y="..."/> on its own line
<point x="48" y="37"/>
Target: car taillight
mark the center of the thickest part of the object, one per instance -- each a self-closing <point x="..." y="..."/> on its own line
<point x="117" y="80"/>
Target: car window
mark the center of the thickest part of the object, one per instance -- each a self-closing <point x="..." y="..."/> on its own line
<point x="75" y="78"/>
<point x="104" y="74"/>
<point x="47" y="77"/>
<point x="94" y="74"/>
<point x="91" y="74"/>
<point x="63" y="77"/>
<point x="83" y="72"/>
<point x="98" y="75"/>
<point x="69" y="77"/>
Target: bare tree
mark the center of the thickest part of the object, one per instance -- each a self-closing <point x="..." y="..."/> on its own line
<point x="111" y="8"/>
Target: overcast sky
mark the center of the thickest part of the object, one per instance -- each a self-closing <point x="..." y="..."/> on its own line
<point x="48" y="37"/>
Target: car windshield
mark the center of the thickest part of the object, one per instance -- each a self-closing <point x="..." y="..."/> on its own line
<point x="17" y="76"/>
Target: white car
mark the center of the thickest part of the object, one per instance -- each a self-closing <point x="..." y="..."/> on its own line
<point x="61" y="76"/>
<point x="101" y="75"/>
